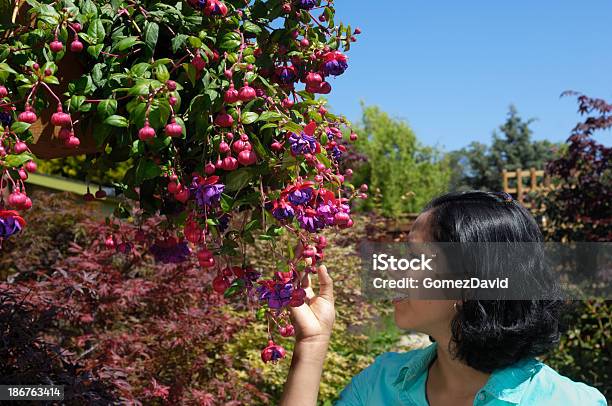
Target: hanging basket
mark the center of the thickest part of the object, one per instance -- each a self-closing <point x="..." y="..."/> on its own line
<point x="45" y="143"/>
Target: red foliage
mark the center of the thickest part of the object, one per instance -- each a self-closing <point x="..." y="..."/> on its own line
<point x="156" y="332"/>
<point x="583" y="196"/>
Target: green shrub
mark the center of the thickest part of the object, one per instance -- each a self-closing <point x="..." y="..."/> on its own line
<point x="403" y="175"/>
<point x="584" y="353"/>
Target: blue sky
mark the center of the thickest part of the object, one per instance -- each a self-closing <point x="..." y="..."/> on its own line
<point x="452" y="68"/>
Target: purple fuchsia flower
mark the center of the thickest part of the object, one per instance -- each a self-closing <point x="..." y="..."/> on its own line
<point x="277" y="294"/>
<point x="9" y="226"/>
<point x="6" y="114"/>
<point x="306" y="4"/>
<point x="170" y="251"/>
<point x="285" y="75"/>
<point x="223" y="222"/>
<point x="310" y="221"/>
<point x="207" y="191"/>
<point x="282" y="211"/>
<point x="326" y="212"/>
<point x="334" y="63"/>
<point x="303" y="144"/>
<point x="300" y="196"/>
<point x="5" y="118"/>
<point x="336" y="153"/>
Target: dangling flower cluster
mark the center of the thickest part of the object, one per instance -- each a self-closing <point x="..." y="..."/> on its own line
<point x="314" y="209"/>
<point x="334" y="149"/>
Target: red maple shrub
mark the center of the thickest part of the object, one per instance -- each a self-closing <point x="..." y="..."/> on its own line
<point x="155" y="332"/>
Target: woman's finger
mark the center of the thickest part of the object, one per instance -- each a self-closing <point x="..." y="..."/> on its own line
<point x="307" y="285"/>
<point x="326" y="284"/>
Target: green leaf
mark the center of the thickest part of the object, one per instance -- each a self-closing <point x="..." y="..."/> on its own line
<point x="251" y="27"/>
<point x="76" y="102"/>
<point x="117" y="121"/>
<point x="52" y="80"/>
<point x="162" y="74"/>
<point x="146" y="170"/>
<point x="96" y="30"/>
<point x="19" y="127"/>
<point x="230" y="41"/>
<point x="236" y="286"/>
<point x="94" y="50"/>
<point x="141" y="88"/>
<point x="151" y="33"/>
<point x="270" y="116"/>
<point x="4" y="67"/>
<point x="140" y="68"/>
<point x="107" y="107"/>
<point x="226" y="203"/>
<point x="178" y="41"/>
<point x="293" y="127"/>
<point x="238" y="179"/>
<point x="249" y="117"/>
<point x="127" y="43"/>
<point x="17" y="160"/>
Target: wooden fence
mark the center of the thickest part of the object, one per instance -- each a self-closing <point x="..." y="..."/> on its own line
<point x="536" y="180"/>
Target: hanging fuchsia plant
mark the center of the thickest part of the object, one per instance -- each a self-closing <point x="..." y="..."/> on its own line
<point x="214" y="103"/>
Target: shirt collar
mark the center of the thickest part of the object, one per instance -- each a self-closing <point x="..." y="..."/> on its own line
<point x="417" y="365"/>
<point x="507" y="384"/>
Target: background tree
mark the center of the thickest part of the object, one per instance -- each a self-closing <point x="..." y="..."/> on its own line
<point x="402" y="173"/>
<point x="578" y="208"/>
<point x="479" y="166"/>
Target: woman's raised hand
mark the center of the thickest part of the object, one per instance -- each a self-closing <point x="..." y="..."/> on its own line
<point x="313" y="321"/>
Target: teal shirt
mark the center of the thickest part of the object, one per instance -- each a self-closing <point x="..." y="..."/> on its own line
<point x="399" y="379"/>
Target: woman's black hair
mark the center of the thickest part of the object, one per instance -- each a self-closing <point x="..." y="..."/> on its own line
<point x="494" y="334"/>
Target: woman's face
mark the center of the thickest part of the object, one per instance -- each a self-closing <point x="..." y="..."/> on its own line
<point x="431" y="317"/>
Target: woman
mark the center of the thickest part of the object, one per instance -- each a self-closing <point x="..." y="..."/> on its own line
<point x="483" y="351"/>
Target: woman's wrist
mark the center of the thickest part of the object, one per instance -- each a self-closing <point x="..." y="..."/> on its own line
<point x="311" y="349"/>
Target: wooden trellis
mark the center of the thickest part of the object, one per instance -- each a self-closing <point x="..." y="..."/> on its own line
<point x="537" y="180"/>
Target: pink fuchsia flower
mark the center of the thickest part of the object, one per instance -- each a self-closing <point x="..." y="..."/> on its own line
<point x="215" y="8"/>
<point x="272" y="353"/>
<point x="334" y="63"/>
